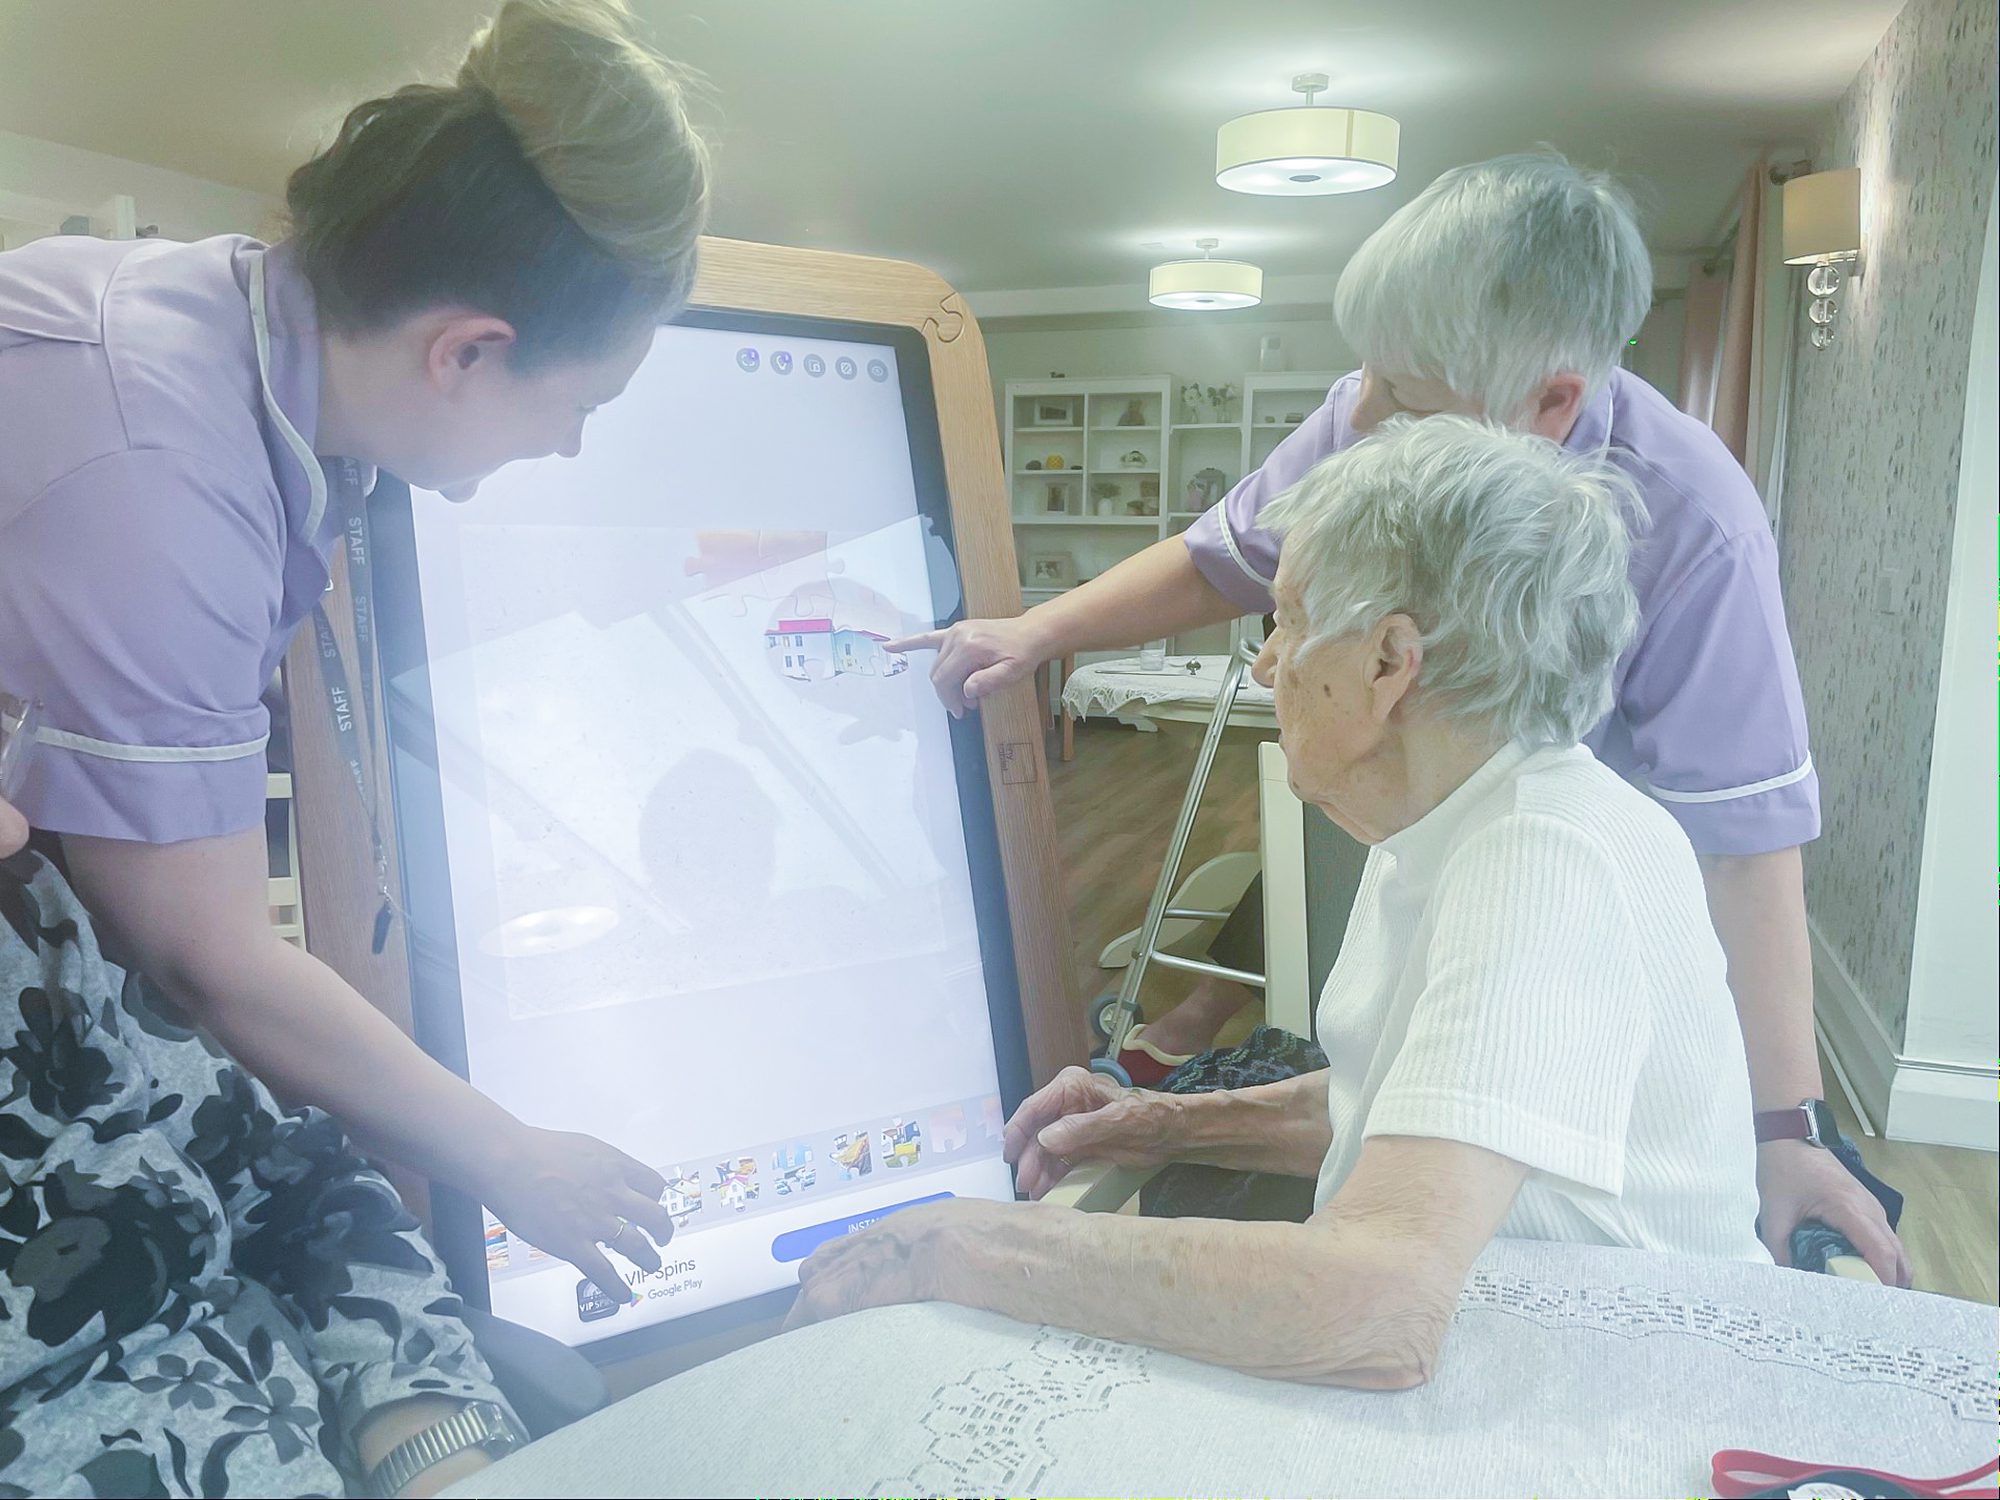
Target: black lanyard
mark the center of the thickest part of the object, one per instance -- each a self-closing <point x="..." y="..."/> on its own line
<point x="352" y="723"/>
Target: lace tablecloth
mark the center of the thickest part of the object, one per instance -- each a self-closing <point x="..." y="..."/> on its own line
<point x="1114" y="687"/>
<point x="1569" y="1371"/>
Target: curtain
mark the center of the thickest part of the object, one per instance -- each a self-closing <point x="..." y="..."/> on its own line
<point x="1740" y="367"/>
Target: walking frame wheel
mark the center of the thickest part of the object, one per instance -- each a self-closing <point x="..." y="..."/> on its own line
<point x="1100" y="1015"/>
<point x="1110" y="1069"/>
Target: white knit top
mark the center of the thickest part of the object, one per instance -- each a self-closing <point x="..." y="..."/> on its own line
<point x="1531" y="968"/>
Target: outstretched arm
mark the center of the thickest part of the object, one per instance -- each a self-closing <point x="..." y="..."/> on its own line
<point x="1360" y="1295"/>
<point x="1155" y="593"/>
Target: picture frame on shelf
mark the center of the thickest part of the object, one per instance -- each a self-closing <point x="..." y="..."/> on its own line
<point x="1057" y="501"/>
<point x="1052" y="411"/>
<point x="1205" y="488"/>
<point x="1051" y="570"/>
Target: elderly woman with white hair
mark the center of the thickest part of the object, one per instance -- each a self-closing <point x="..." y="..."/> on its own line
<point x="1530" y="1023"/>
<point x="1509" y="290"/>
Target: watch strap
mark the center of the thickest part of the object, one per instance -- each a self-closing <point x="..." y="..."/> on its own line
<point x="1802" y="1122"/>
<point x="478" y="1424"/>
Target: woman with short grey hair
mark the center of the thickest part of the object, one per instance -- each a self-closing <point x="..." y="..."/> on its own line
<point x="1511" y="289"/>
<point x="1530" y="1023"/>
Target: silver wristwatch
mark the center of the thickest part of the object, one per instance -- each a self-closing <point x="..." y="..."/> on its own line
<point x="481" y="1424"/>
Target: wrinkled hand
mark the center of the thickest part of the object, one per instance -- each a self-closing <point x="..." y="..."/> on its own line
<point x="976" y="658"/>
<point x="1796" y="1182"/>
<point x="1083" y="1117"/>
<point x="894" y="1260"/>
<point x="564" y="1193"/>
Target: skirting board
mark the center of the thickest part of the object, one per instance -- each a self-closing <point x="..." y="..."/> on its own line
<point x="1909" y="1099"/>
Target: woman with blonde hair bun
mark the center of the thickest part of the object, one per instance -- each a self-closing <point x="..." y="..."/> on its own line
<point x="471" y="269"/>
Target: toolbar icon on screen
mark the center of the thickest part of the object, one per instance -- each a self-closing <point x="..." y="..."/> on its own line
<point x="846" y="367"/>
<point x="593" y="1303"/>
<point x="877" y="371"/>
<point x="746" y="360"/>
<point x="815" y="366"/>
<point x="781" y="362"/>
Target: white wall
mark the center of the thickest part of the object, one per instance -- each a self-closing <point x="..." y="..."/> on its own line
<point x="185" y="208"/>
<point x="1869" y="545"/>
<point x="1954" y="1017"/>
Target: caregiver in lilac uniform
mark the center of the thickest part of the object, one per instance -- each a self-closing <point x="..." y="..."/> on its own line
<point x="185" y="430"/>
<point x="1509" y="289"/>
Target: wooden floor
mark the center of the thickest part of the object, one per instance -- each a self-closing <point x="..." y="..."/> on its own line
<point x="1115" y="805"/>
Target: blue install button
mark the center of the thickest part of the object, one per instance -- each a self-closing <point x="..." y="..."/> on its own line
<point x="797" y="1244"/>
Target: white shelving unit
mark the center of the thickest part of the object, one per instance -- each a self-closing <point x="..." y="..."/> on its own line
<point x="1275" y="406"/>
<point x="23" y="219"/>
<point x="1077" y="505"/>
<point x="1094" y="495"/>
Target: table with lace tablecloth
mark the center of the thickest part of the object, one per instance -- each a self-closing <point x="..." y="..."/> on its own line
<point x="1183" y="691"/>
<point x="1570" y="1370"/>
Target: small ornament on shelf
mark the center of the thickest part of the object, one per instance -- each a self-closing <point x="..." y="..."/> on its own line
<point x="1205" y="488"/>
<point x="1208" y="403"/>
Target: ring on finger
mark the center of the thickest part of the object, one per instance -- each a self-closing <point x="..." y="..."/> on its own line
<point x="619" y="1233"/>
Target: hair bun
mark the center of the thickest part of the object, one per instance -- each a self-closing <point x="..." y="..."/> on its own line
<point x="602" y="119"/>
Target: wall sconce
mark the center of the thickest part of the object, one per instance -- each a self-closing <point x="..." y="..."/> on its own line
<point x="1822" y="214"/>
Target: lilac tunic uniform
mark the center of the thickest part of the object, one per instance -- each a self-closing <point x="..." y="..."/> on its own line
<point x="164" y="526"/>
<point x="1707" y="716"/>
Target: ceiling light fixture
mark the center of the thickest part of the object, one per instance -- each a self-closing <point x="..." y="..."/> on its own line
<point x="1306" y="152"/>
<point x="1205" y="285"/>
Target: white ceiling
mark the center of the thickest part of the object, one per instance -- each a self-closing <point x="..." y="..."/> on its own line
<point x="1008" y="143"/>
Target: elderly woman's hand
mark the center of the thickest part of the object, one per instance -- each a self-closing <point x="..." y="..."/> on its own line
<point x="1083" y="1117"/>
<point x="896" y="1259"/>
<point x="13" y="830"/>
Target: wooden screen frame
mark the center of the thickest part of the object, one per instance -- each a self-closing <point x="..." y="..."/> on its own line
<point x="336" y="862"/>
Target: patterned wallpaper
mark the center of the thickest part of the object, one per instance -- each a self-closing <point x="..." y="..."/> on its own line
<point x="1872" y="474"/>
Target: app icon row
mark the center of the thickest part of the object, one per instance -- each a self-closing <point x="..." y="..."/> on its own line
<point x="782" y="362"/>
<point x="699" y="1193"/>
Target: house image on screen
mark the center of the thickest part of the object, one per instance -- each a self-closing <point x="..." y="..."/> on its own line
<point x="812" y="650"/>
<point x="736" y="1182"/>
<point x="682" y="1198"/>
<point x="806" y="647"/>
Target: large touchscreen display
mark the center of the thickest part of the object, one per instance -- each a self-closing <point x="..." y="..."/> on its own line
<point x="714" y="881"/>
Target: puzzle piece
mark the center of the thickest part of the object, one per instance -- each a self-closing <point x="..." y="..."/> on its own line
<point x="748" y="557"/>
